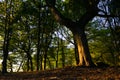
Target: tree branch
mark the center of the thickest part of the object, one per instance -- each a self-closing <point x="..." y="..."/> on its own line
<point x="89" y="15"/>
<point x="59" y="17"/>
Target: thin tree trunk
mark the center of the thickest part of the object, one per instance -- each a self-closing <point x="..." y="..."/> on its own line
<point x="57" y="56"/>
<point x="6" y="39"/>
<point x="47" y="43"/>
<point x="57" y="53"/>
<point x="41" y="60"/>
<point x="4" y="63"/>
<point x="49" y="63"/>
<point x="28" y="48"/>
<point x="63" y="54"/>
<point x="38" y="41"/>
<point x="29" y="62"/>
<point x="76" y="52"/>
<point x="28" y="66"/>
<point x="5" y="51"/>
<point x="45" y="58"/>
<point x="21" y="63"/>
<point x="29" y="54"/>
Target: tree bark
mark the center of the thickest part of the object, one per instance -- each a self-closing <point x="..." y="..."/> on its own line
<point x="76" y="52"/>
<point x="6" y="42"/>
<point x="83" y="49"/>
<point x="29" y="62"/>
<point x="62" y="53"/>
<point x="5" y="49"/>
<point x="57" y="52"/>
<point x="38" y="41"/>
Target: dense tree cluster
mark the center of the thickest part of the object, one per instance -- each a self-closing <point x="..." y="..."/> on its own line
<point x="48" y="34"/>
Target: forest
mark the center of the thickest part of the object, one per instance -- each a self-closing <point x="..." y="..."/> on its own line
<point x="38" y="35"/>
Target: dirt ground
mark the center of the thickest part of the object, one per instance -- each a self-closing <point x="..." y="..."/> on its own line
<point x="67" y="73"/>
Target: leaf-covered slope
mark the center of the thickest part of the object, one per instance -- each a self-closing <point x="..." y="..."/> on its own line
<point x="68" y="73"/>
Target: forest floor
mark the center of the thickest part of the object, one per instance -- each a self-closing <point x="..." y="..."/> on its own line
<point x="67" y="73"/>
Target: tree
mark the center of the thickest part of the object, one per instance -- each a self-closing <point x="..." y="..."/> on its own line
<point x="78" y="30"/>
<point x="30" y="33"/>
<point x="7" y="32"/>
<point x="77" y="26"/>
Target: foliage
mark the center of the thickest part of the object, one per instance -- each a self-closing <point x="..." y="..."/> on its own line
<point x="27" y="21"/>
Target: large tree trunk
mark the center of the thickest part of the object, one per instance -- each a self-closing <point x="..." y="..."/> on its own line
<point x="82" y="47"/>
